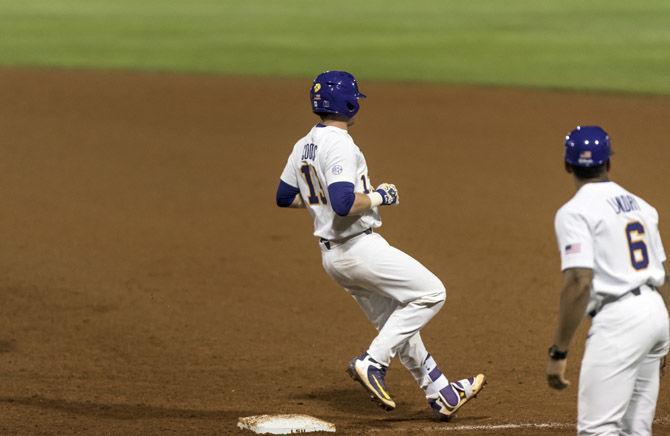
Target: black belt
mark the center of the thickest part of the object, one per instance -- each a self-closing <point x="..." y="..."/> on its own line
<point x="328" y="243"/>
<point x="611" y="299"/>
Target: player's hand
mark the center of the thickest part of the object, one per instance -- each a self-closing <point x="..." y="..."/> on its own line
<point x="556" y="374"/>
<point x="389" y="194"/>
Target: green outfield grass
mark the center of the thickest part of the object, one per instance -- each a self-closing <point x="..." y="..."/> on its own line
<point x="621" y="45"/>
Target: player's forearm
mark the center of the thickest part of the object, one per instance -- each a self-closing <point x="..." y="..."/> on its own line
<point x="361" y="203"/>
<point x="385" y="194"/>
<point x="346" y="202"/>
<point x="574" y="300"/>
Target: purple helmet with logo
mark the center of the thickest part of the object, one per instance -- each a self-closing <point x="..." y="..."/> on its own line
<point x="335" y="92"/>
<point x="587" y="146"/>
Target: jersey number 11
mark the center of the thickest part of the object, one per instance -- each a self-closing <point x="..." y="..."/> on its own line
<point x="313" y="183"/>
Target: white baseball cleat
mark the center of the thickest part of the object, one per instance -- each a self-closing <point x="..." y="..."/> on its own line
<point x="448" y="400"/>
<point x="370" y="374"/>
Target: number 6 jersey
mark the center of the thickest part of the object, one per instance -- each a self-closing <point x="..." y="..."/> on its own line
<point x="325" y="156"/>
<point x="615" y="233"/>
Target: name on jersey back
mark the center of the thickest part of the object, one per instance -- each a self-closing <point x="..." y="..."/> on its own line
<point x="309" y="152"/>
<point x="623" y="203"/>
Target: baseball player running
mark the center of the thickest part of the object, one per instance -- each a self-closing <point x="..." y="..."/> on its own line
<point x="327" y="173"/>
<point x="613" y="270"/>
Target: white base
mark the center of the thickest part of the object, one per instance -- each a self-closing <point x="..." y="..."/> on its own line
<point x="284" y="424"/>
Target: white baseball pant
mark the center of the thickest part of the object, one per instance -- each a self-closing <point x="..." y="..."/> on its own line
<point x="396" y="292"/>
<point x="619" y="379"/>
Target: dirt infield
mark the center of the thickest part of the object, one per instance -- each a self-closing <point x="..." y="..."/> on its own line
<point x="150" y="285"/>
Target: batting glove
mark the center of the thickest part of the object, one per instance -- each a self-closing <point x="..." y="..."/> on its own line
<point x="389" y="194"/>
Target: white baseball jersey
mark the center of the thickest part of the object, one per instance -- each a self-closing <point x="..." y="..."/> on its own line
<point x="325" y="156"/>
<point x="615" y="233"/>
<point x="382" y="279"/>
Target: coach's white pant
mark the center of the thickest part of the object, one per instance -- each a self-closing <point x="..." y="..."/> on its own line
<point x="398" y="295"/>
<point x="619" y="379"/>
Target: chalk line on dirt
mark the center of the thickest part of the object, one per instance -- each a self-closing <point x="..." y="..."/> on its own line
<point x="493" y="427"/>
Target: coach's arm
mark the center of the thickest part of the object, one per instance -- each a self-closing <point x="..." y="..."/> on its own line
<point x="664" y="290"/>
<point x="574" y="300"/>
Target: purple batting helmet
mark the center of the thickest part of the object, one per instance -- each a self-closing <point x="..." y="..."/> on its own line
<point x="335" y="92"/>
<point x="587" y="146"/>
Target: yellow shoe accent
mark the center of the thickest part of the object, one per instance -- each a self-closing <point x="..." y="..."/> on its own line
<point x="387" y="396"/>
<point x="381" y="397"/>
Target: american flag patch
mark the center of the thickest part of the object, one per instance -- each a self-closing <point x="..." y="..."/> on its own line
<point x="573" y="248"/>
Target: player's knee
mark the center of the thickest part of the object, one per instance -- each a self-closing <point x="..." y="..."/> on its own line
<point x="437" y="295"/>
<point x="441" y="291"/>
<point x="443" y="294"/>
